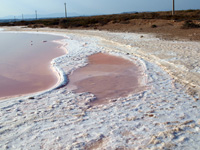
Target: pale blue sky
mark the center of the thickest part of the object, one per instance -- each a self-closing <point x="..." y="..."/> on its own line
<point x="90" y="7"/>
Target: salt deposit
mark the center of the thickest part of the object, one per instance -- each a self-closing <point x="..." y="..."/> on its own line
<point x="162" y="116"/>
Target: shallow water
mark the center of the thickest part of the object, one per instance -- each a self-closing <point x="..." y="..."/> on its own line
<point x="25" y="63"/>
<point x="107" y="77"/>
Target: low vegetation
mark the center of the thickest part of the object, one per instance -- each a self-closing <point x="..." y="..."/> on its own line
<point x="184" y="24"/>
<point x="95" y="21"/>
<point x="189" y="25"/>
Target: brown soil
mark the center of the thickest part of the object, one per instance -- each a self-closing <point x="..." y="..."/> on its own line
<point x="166" y="29"/>
<point x="107" y="77"/>
<point x="165" y="25"/>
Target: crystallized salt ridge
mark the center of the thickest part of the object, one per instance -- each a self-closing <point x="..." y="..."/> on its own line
<point x="161" y="117"/>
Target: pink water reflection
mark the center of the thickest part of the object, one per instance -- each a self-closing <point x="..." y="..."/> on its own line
<point x="107" y="77"/>
<point x="25" y="63"/>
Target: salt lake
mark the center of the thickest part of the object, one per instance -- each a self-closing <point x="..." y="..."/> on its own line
<point x="25" y="62"/>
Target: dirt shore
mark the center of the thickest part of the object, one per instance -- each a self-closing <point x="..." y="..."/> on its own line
<point x="165" y="29"/>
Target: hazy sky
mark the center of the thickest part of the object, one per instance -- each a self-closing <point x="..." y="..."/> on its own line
<point x="90" y="7"/>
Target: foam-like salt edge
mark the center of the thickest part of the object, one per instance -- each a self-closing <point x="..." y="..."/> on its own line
<point x="62" y="76"/>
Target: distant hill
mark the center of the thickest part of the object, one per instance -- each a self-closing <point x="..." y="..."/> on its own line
<point x="6" y="20"/>
<point x="40" y="16"/>
<point x="130" y="12"/>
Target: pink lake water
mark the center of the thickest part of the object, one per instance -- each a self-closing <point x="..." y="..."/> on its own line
<point x="25" y="63"/>
<point x="107" y="77"/>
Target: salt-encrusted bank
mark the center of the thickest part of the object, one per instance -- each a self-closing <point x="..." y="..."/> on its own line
<point x="162" y="116"/>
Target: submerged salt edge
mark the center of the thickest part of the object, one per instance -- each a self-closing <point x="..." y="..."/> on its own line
<point x="139" y="62"/>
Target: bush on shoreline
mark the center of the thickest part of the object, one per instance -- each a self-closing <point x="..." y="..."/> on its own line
<point x="190" y="25"/>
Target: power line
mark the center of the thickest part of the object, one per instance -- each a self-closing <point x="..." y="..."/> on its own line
<point x="65" y="10"/>
<point x="36" y="14"/>
<point x="173" y="8"/>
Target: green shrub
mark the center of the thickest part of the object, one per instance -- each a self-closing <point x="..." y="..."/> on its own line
<point x="63" y="23"/>
<point x="154" y="26"/>
<point x="189" y="25"/>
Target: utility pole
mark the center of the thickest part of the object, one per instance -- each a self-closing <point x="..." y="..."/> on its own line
<point x="173" y="8"/>
<point x="14" y="19"/>
<point x="65" y="10"/>
<point x="22" y="17"/>
<point x="36" y="14"/>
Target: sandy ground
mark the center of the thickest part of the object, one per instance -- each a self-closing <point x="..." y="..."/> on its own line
<point x="164" y="116"/>
<point x="165" y="29"/>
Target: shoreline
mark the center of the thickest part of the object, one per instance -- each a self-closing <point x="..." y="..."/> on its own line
<point x="162" y="116"/>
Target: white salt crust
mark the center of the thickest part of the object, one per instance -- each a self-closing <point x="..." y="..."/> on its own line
<point x="163" y="116"/>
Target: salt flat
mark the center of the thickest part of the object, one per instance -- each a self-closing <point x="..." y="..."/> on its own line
<point x="165" y="115"/>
